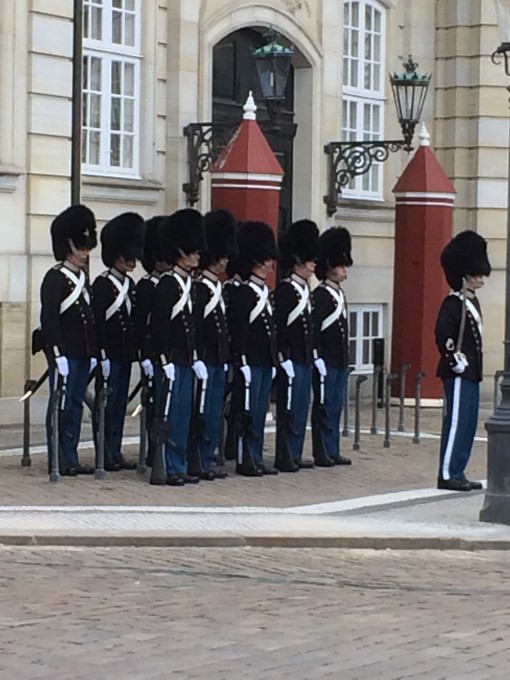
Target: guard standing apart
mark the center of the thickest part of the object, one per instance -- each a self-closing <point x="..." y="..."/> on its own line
<point x="297" y="352"/>
<point x="331" y="328"/>
<point x="181" y="237"/>
<point x="145" y="289"/>
<point x="253" y="334"/>
<point x="459" y="341"/>
<point x="212" y="330"/>
<point x="67" y="332"/>
<point x="113" y="301"/>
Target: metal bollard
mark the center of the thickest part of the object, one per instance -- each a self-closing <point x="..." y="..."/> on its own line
<point x="403" y="372"/>
<point x="26" y="461"/>
<point x="357" y="411"/>
<point x="417" y="407"/>
<point x="377" y="371"/>
<point x="346" y="432"/>
<point x="497" y="376"/>
<point x="389" y="378"/>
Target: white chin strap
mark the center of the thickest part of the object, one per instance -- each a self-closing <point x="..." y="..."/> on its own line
<point x="75" y="251"/>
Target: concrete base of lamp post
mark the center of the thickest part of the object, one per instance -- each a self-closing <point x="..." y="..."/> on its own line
<point x="496" y="507"/>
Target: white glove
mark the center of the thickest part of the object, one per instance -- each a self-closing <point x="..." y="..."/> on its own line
<point x="246" y="371"/>
<point x="169" y="371"/>
<point x="62" y="366"/>
<point x="200" y="370"/>
<point x="461" y="364"/>
<point x="288" y="368"/>
<point x="225" y="367"/>
<point x="105" y="368"/>
<point x="273" y="373"/>
<point x="93" y="364"/>
<point x="320" y="366"/>
<point x="147" y="368"/>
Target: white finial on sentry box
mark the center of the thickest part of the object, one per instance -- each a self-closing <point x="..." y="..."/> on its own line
<point x="250" y="108"/>
<point x="424" y="136"/>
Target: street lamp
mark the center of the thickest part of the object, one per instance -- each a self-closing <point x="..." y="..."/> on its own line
<point x="496" y="507"/>
<point x="273" y="62"/>
<point x="205" y="141"/>
<point x="350" y="159"/>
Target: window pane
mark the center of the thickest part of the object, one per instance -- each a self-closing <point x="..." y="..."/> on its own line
<point x="116" y="84"/>
<point x="127" y="152"/>
<point x="95" y="111"/>
<point x="366" y="324"/>
<point x="354" y="73"/>
<point x="117" y="28"/>
<point x="94" y="148"/>
<point x="96" y="27"/>
<point x="129" y="29"/>
<point x="129" y="115"/>
<point x="375" y="324"/>
<point x="129" y="80"/>
<point x="130" y="5"/>
<point x="353" y="318"/>
<point x="368" y="19"/>
<point x="365" y="352"/>
<point x="352" y="353"/>
<point x="117" y="3"/>
<point x="115" y="150"/>
<point x="115" y="114"/>
<point x="355" y="14"/>
<point x="377" y="21"/>
<point x="95" y="74"/>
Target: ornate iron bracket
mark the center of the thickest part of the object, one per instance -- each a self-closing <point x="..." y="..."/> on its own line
<point x="349" y="159"/>
<point x="205" y="143"/>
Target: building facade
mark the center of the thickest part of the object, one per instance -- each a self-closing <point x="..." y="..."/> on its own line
<point x="152" y="67"/>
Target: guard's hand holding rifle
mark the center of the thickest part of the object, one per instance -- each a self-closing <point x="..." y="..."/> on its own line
<point x="320" y="366"/>
<point x="93" y="364"/>
<point x="246" y="371"/>
<point x="147" y="368"/>
<point x="288" y="367"/>
<point x="461" y="364"/>
<point x="105" y="368"/>
<point x="169" y="371"/>
<point x="200" y="370"/>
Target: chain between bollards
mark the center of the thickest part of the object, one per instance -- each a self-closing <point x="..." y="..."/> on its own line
<point x="346" y="432"/>
<point x="417" y="406"/>
<point x="357" y="412"/>
<point x="389" y="378"/>
<point x="403" y="372"/>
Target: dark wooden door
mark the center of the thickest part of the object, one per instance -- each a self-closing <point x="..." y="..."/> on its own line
<point x="234" y="75"/>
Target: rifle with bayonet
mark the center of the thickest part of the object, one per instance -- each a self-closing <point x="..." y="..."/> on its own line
<point x="319" y="425"/>
<point x="245" y="463"/>
<point x="160" y="432"/>
<point x="284" y="426"/>
<point x="197" y="430"/>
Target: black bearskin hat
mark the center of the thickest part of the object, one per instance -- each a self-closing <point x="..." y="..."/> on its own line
<point x="151" y="248"/>
<point x="181" y="232"/>
<point x="123" y="236"/>
<point x="257" y="244"/>
<point x="77" y="224"/>
<point x="465" y="255"/>
<point x="220" y="234"/>
<point x="299" y="244"/>
<point x="334" y="250"/>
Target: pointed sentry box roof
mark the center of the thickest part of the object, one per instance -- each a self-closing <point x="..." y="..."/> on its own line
<point x="248" y="151"/>
<point x="424" y="173"/>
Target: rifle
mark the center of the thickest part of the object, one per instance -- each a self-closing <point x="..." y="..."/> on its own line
<point x="31" y="386"/>
<point x="232" y="417"/>
<point x="459" y="355"/>
<point x="102" y="399"/>
<point x="57" y="404"/>
<point x="197" y="431"/>
<point x="160" y="434"/>
<point x="245" y="463"/>
<point x="319" y="427"/>
<point x="285" y="427"/>
<point x="143" y="410"/>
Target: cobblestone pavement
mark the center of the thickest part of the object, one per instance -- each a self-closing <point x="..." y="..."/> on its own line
<point x="253" y="614"/>
<point x="375" y="469"/>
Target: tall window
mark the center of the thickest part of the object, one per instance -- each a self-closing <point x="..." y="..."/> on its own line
<point x="363" y="87"/>
<point x="111" y="87"/>
<point x="365" y="324"/>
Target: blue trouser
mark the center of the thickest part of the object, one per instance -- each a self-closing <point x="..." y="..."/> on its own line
<point x="115" y="412"/>
<point x="334" y="392"/>
<point x="213" y="413"/>
<point x="462" y="398"/>
<point x="179" y="417"/>
<point x="260" y="391"/>
<point x="70" y="417"/>
<point x="300" y="403"/>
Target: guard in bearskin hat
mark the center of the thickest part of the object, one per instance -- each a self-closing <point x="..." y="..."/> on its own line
<point x="145" y="288"/>
<point x="297" y="351"/>
<point x="212" y="342"/>
<point x="122" y="241"/>
<point x="459" y="341"/>
<point x="330" y="319"/>
<point x="172" y="327"/>
<point x="253" y="342"/>
<point x="67" y="332"/>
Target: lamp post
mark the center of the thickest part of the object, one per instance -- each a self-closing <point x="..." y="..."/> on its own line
<point x="350" y="159"/>
<point x="207" y="140"/>
<point x="496" y="507"/>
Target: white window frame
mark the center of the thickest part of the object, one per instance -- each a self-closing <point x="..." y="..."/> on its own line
<point x="109" y="52"/>
<point x="358" y="336"/>
<point x="360" y="99"/>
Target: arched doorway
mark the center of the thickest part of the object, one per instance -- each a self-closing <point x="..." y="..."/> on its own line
<point x="234" y="75"/>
